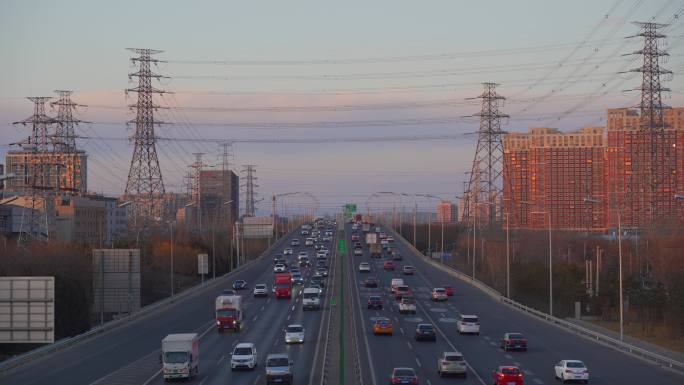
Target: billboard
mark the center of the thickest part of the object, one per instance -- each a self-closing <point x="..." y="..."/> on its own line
<point x="257" y="227"/>
<point x="27" y="310"/>
<point x="202" y="264"/>
<point x="116" y="281"/>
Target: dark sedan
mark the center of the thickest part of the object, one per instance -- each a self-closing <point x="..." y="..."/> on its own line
<point x="426" y="332"/>
<point x="375" y="302"/>
<point x="370" y="282"/>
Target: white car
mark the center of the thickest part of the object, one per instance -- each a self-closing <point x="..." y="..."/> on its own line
<point x="244" y="356"/>
<point x="438" y="294"/>
<point x="364" y="267"/>
<point x="260" y="290"/>
<point x="288" y="251"/>
<point x="571" y="370"/>
<point x="303" y="254"/>
<point x="468" y="324"/>
<point x="321" y="253"/>
<point x="279" y="268"/>
<point x="294" y="334"/>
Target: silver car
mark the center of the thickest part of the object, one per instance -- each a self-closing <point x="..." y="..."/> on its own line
<point x="294" y="334"/>
<point x="279" y="369"/>
<point x="451" y="363"/>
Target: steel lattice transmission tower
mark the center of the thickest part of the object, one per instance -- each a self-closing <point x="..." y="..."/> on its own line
<point x="64" y="139"/>
<point x="250" y="189"/>
<point x="485" y="184"/>
<point x="652" y="178"/>
<point x="65" y="134"/>
<point x="145" y="186"/>
<point x="37" y="225"/>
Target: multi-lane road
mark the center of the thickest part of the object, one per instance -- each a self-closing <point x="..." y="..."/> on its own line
<point x="130" y="354"/>
<point x="547" y="343"/>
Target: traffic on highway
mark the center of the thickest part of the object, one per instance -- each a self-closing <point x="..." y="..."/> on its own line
<point x="269" y="323"/>
<point x="420" y="325"/>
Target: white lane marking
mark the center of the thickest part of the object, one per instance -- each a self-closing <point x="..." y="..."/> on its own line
<point x="402" y="330"/>
<point x="152" y="377"/>
<point x="256" y="380"/>
<point x="508" y="356"/>
<point x="202" y="382"/>
<point x="472" y="370"/>
<point x="486" y="337"/>
<point x="220" y="359"/>
<point x="293" y="307"/>
<point x="409" y="345"/>
<point x="518" y="364"/>
<point x="492" y="343"/>
<point x="262" y="308"/>
<point x="268" y="300"/>
<point x="255" y="317"/>
<point x="428" y="382"/>
<point x="396" y="318"/>
<point x="538" y="381"/>
<point x="418" y="362"/>
<point x="288" y="316"/>
<point x="365" y="338"/>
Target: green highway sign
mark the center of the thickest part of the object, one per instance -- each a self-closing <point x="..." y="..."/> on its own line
<point x="341" y="246"/>
<point x="349" y="209"/>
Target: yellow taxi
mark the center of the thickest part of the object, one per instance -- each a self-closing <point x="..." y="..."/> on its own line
<point x="383" y="325"/>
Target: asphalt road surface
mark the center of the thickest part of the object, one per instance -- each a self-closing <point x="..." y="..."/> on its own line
<point x="547" y="344"/>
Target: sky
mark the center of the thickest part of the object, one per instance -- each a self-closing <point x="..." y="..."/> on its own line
<point x="333" y="72"/>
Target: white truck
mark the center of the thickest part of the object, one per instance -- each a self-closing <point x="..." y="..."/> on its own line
<point x="407" y="305"/>
<point x="311" y="298"/>
<point x="228" y="312"/>
<point x="180" y="356"/>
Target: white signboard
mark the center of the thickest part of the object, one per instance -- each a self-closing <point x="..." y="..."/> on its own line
<point x="257" y="227"/>
<point x="202" y="264"/>
<point x="27" y="310"/>
<point x="116" y="281"/>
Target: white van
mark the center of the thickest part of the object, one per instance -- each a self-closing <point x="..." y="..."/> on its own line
<point x="396" y="282"/>
<point x="311" y="298"/>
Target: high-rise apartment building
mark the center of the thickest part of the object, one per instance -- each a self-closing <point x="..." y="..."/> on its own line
<point x="548" y="176"/>
<point x="63" y="171"/>
<point x="216" y="189"/>
<point x="446" y="212"/>
<point x="632" y="190"/>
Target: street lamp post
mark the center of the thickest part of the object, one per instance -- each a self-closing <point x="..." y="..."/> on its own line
<point x="171" y="236"/>
<point x="550" y="261"/>
<point x="508" y="261"/>
<point x="619" y="237"/>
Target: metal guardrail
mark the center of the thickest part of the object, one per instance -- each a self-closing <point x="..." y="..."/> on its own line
<point x="64" y="343"/>
<point x="590" y="334"/>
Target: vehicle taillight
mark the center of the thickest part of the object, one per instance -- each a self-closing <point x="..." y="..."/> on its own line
<point x="414" y="380"/>
<point x="395" y="380"/>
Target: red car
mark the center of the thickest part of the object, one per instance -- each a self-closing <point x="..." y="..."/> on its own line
<point x="449" y="290"/>
<point x="508" y="375"/>
<point x="388" y="265"/>
<point x="404" y="376"/>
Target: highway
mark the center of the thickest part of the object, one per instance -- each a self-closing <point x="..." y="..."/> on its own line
<point x="547" y="344"/>
<point x="130" y="353"/>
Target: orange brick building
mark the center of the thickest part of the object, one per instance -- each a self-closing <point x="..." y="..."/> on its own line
<point x="629" y="165"/>
<point x="550" y="173"/>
